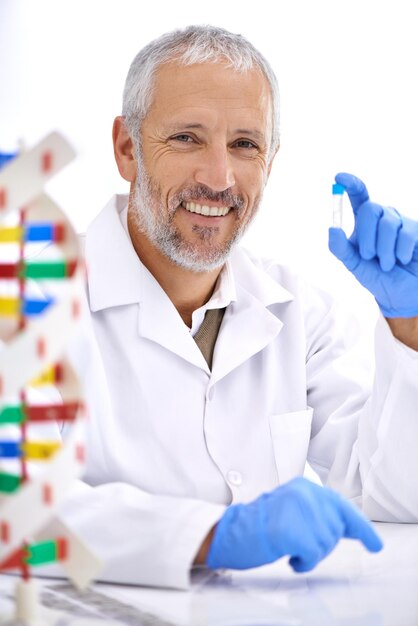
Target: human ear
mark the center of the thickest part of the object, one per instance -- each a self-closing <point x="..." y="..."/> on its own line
<point x="123" y="149"/>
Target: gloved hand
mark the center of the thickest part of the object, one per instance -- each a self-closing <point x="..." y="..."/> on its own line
<point x="382" y="251"/>
<point x="299" y="519"/>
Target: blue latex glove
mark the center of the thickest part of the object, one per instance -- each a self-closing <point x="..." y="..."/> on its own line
<point x="382" y="251"/>
<point x="298" y="519"/>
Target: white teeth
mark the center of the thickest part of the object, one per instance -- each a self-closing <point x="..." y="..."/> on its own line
<point x="200" y="209"/>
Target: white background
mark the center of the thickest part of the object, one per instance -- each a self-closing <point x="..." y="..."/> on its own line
<point x="347" y="72"/>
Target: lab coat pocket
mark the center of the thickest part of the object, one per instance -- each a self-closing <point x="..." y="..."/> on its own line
<point x="290" y="433"/>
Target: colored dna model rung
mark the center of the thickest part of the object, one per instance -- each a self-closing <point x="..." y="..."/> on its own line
<point x="35" y="329"/>
<point x="13" y="306"/>
<point x="32" y="233"/>
<point x="41" y="553"/>
<point x="20" y="415"/>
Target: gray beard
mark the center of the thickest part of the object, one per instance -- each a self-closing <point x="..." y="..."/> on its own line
<point x="150" y="218"/>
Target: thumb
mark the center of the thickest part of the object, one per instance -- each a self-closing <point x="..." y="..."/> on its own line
<point x="341" y="247"/>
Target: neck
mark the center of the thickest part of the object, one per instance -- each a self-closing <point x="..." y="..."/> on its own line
<point x="186" y="289"/>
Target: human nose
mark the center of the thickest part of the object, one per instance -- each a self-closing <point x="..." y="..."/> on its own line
<point x="215" y="169"/>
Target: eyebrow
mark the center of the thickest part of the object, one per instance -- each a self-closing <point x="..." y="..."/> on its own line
<point x="250" y="132"/>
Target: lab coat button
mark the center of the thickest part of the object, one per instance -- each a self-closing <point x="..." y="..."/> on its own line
<point x="234" y="477"/>
<point x="211" y="393"/>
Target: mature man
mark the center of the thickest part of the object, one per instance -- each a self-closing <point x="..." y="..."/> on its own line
<point x="212" y="376"/>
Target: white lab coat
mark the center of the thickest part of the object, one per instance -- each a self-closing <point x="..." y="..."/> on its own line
<point x="171" y="444"/>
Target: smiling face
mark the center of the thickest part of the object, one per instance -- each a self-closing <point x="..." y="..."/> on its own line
<point x="205" y="144"/>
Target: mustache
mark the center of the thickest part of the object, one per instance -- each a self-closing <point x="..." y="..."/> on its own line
<point x="200" y="192"/>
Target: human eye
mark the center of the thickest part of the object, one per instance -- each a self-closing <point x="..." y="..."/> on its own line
<point x="245" y="144"/>
<point x="183" y="138"/>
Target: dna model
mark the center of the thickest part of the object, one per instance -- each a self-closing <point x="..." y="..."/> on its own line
<point x="40" y="304"/>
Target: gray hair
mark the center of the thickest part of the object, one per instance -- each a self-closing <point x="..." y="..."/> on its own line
<point x="194" y="44"/>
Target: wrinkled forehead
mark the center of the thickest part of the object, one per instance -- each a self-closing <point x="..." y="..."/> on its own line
<point x="178" y="88"/>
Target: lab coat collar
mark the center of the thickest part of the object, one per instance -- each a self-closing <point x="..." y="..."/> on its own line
<point x="110" y="254"/>
<point x="256" y="280"/>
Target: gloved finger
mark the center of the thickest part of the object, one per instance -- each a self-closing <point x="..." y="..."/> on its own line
<point x="367" y="272"/>
<point x="366" y="227"/>
<point x="300" y="566"/>
<point x="387" y="235"/>
<point x="358" y="527"/>
<point x="341" y="247"/>
<point x="407" y="241"/>
<point x="356" y="189"/>
<point x="306" y="562"/>
<point x="322" y="539"/>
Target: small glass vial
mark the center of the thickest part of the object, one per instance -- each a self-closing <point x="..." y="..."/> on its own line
<point x="338" y="205"/>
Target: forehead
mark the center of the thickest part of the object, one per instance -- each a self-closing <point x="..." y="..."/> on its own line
<point x="211" y="89"/>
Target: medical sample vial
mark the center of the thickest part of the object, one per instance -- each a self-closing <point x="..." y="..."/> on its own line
<point x="338" y="204"/>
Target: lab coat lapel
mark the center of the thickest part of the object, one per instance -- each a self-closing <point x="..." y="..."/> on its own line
<point x="246" y="329"/>
<point x="249" y="325"/>
<point x="159" y="321"/>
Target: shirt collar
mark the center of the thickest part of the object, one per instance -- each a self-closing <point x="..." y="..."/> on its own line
<point x="223" y="294"/>
<point x="116" y="274"/>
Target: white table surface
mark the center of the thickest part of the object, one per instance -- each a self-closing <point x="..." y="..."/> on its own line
<point x="350" y="588"/>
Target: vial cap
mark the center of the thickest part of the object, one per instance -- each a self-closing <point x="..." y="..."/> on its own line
<point x="338" y="190"/>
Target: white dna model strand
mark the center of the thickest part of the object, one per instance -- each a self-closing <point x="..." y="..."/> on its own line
<point x="40" y="304"/>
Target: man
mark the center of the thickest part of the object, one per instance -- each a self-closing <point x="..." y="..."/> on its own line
<point x="212" y="376"/>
